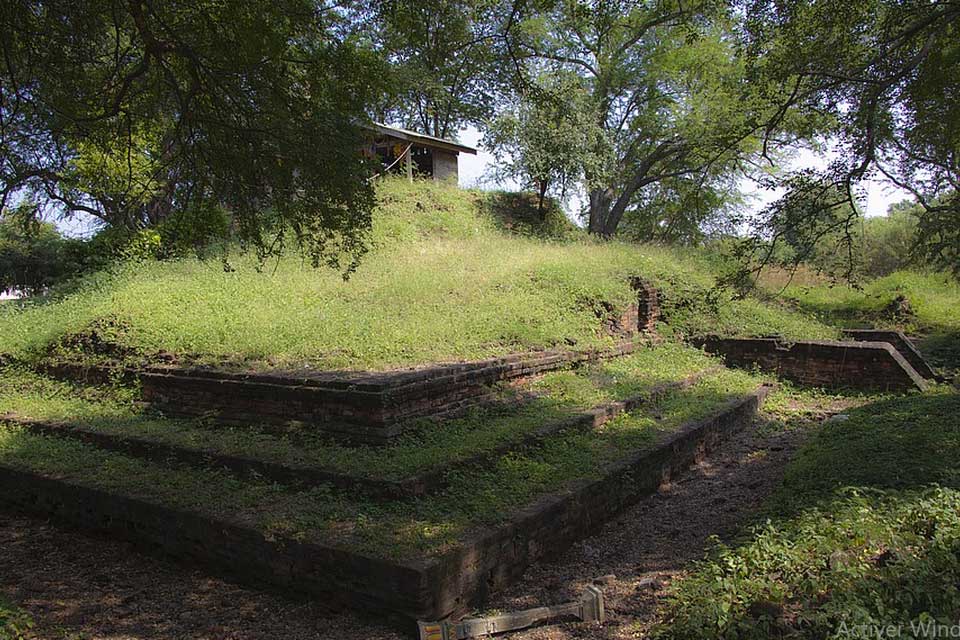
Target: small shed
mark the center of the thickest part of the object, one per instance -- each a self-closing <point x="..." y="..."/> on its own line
<point x="409" y="153"/>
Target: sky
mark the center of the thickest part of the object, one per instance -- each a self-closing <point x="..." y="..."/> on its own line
<point x="880" y="194"/>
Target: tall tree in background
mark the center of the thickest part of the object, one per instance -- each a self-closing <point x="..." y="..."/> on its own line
<point x="131" y="110"/>
<point x="887" y="73"/>
<point x="672" y="114"/>
<point x="541" y="139"/>
<point x="34" y="256"/>
<point x="445" y="61"/>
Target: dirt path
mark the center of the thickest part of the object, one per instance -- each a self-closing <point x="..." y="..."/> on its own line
<point x="80" y="586"/>
<point x="635" y="556"/>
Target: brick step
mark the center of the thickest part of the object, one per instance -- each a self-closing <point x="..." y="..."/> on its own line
<point x="299" y="475"/>
<point x="230" y="527"/>
<point x="362" y="407"/>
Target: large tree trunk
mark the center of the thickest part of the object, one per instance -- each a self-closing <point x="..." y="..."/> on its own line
<point x="599" y="212"/>
<point x="607" y="207"/>
<point x="542" y="195"/>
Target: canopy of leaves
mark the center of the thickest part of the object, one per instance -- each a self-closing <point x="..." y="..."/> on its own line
<point x="887" y="73"/>
<point x="675" y="119"/>
<point x="445" y="61"/>
<point x="129" y="111"/>
<point x="545" y="139"/>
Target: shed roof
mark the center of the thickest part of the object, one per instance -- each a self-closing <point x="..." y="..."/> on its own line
<point x="422" y="139"/>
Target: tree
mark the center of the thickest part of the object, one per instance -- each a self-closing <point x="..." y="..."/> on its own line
<point x="131" y="110"/>
<point x="445" y="61"/>
<point x="34" y="256"/>
<point x="886" y="74"/>
<point x="672" y="114"/>
<point x="543" y="139"/>
<point x="888" y="241"/>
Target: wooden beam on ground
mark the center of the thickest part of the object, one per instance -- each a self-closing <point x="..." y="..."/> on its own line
<point x="589" y="608"/>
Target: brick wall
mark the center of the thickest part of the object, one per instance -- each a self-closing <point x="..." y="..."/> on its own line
<point x="868" y="366"/>
<point x="648" y="305"/>
<point x="465" y="578"/>
<point x="898" y="341"/>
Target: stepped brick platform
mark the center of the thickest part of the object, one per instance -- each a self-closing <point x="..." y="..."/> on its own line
<point x="366" y="407"/>
<point x="898" y="341"/>
<point x="426" y="588"/>
<point x="867" y="366"/>
<point x="423" y="483"/>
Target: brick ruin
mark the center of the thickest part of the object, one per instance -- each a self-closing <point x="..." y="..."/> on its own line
<point x="428" y="588"/>
<point x="866" y="366"/>
<point x="371" y="407"/>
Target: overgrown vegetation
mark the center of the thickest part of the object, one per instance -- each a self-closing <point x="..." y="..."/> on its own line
<point x="864" y="533"/>
<point x="15" y="623"/>
<point x="445" y="281"/>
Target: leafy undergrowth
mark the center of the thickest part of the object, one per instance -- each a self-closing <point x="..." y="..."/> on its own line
<point x="15" y="623"/>
<point x="114" y="410"/>
<point x="863" y="537"/>
<point x="448" y="278"/>
<point x="474" y="496"/>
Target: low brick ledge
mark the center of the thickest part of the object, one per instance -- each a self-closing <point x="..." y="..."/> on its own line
<point x="898" y="341"/>
<point x="864" y="366"/>
<point x="344" y="408"/>
<point x="428" y="588"/>
<point x="414" y="486"/>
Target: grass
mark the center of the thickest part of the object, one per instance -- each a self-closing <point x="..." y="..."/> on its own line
<point x="555" y="395"/>
<point x="474" y="496"/>
<point x="863" y="533"/>
<point x="446" y="279"/>
<point x="933" y="299"/>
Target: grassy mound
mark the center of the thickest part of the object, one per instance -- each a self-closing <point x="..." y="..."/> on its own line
<point x="864" y="533"/>
<point x="450" y="276"/>
<point x="906" y="299"/>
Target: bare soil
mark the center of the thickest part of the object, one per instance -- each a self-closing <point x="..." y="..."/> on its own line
<point x="82" y="586"/>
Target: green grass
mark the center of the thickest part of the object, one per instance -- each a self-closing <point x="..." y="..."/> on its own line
<point x="934" y="301"/>
<point x="474" y="496"/>
<point x="555" y="395"/>
<point x="445" y="280"/>
<point x="863" y="533"/>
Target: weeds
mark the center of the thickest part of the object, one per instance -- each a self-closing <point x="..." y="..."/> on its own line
<point x="864" y="533"/>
